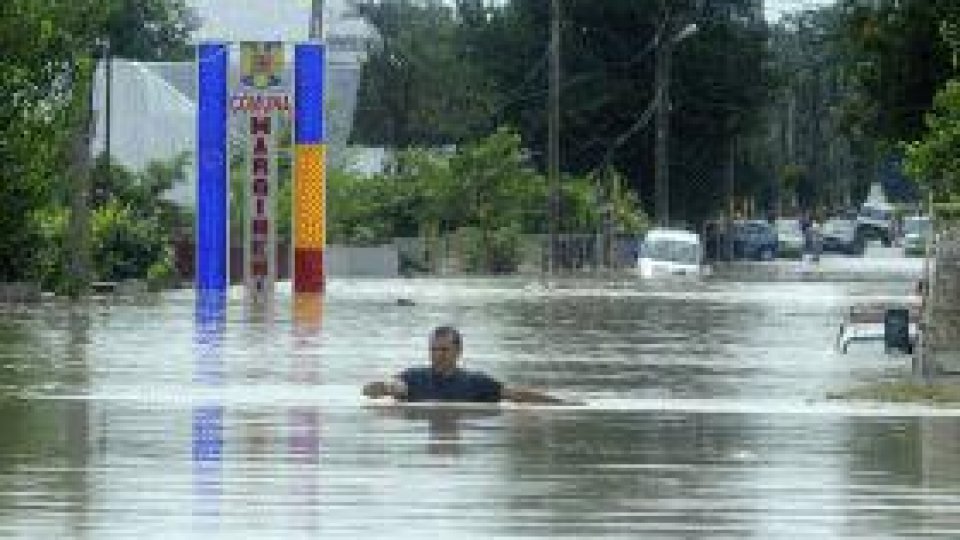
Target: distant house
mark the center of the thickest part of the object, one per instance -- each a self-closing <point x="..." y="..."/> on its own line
<point x="367" y="160"/>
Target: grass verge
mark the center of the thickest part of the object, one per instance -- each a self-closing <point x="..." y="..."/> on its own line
<point x="902" y="392"/>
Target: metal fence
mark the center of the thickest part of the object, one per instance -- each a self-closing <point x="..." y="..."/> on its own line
<point x="450" y="255"/>
<point x="459" y="254"/>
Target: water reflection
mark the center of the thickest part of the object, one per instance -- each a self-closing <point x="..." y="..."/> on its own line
<point x="277" y="449"/>
<point x="210" y="319"/>
<point x="303" y="436"/>
<point x="77" y="419"/>
<point x="208" y="437"/>
<point x="207" y="462"/>
<point x="449" y="429"/>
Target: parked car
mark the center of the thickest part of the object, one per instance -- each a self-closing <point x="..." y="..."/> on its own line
<point x="789" y="238"/>
<point x="876" y="222"/>
<point x="842" y="236"/>
<point x="754" y="239"/>
<point x="670" y="252"/>
<point x="917" y="230"/>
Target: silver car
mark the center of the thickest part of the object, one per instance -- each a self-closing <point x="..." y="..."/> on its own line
<point x="916" y="231"/>
<point x="789" y="238"/>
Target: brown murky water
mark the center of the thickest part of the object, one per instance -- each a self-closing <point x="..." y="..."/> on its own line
<point x="705" y="418"/>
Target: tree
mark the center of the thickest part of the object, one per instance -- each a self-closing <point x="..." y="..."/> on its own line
<point x="131" y="226"/>
<point x="49" y="50"/>
<point x="901" y="62"/>
<point x="150" y="30"/>
<point x="355" y="209"/>
<point x="416" y="89"/>
<point x="818" y="152"/>
<point x="934" y="160"/>
<point x="485" y="66"/>
<point x="38" y="76"/>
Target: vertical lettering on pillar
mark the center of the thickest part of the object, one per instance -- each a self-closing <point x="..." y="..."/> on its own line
<point x="261" y="103"/>
<point x="260" y="264"/>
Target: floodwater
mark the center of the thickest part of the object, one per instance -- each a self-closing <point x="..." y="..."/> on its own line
<point x="705" y="417"/>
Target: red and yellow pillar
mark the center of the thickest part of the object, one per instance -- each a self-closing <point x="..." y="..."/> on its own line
<point x="309" y="204"/>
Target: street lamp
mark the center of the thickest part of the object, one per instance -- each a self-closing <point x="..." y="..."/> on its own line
<point x="662" y="88"/>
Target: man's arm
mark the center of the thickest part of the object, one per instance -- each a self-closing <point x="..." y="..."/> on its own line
<point x="526" y="395"/>
<point x="378" y="389"/>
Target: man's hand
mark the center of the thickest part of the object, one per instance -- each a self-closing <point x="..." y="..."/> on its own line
<point x="380" y="389"/>
<point x="526" y="395"/>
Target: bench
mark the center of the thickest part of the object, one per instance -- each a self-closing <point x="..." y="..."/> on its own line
<point x="866" y="323"/>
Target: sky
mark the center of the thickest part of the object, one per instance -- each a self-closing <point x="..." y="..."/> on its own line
<point x="253" y="20"/>
<point x="236" y="20"/>
<point x="774" y="9"/>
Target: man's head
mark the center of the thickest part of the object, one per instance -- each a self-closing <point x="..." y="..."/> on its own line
<point x="445" y="348"/>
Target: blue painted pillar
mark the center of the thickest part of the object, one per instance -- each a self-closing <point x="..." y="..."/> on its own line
<point x="212" y="206"/>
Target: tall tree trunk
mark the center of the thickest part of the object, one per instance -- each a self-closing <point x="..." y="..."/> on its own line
<point x="78" y="237"/>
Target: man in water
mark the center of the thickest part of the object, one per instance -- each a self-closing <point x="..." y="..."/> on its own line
<point x="444" y="380"/>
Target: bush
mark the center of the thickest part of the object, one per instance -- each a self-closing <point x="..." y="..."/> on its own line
<point x="52" y="257"/>
<point x="497" y="251"/>
<point x="124" y="245"/>
<point x="947" y="211"/>
<point x="162" y="273"/>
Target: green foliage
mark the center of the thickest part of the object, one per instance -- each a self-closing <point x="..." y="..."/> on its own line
<point x="416" y="88"/>
<point x="934" y="160"/>
<point x="151" y="30"/>
<point x="39" y="41"/>
<point x="496" y="251"/>
<point x="356" y="209"/>
<point x="124" y="245"/>
<point x="131" y="227"/>
<point x="947" y="212"/>
<point x="486" y="192"/>
<point x="901" y="392"/>
<point x="822" y="152"/>
<point x="162" y="272"/>
<point x="628" y="216"/>
<point x="899" y="61"/>
<point x="50" y="269"/>
<point x="494" y="183"/>
<point x="485" y="184"/>
<point x="132" y="224"/>
<point x="580" y="211"/>
<point x="48" y="51"/>
<point x="447" y="76"/>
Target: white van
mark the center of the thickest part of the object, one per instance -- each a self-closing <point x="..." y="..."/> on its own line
<point x="670" y="252"/>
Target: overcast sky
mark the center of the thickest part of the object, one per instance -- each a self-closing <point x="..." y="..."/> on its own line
<point x="236" y="20"/>
<point x="253" y="20"/>
<point x="775" y="8"/>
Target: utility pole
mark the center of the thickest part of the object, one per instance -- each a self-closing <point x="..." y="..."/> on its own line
<point x="107" y="110"/>
<point x="731" y="176"/>
<point x="666" y="38"/>
<point x="316" y="20"/>
<point x="78" y="227"/>
<point x="662" y="95"/>
<point x="553" y="133"/>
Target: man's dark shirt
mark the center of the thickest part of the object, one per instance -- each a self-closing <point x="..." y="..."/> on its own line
<point x="423" y="384"/>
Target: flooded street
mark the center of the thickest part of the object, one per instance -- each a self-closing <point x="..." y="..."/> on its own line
<point x="706" y="416"/>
